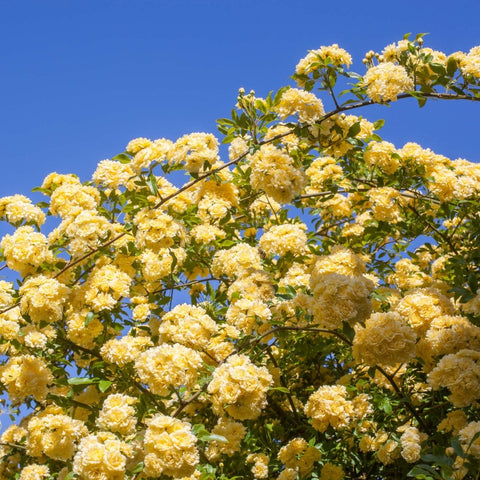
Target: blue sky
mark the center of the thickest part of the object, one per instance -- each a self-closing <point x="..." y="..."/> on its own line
<point x="79" y="79"/>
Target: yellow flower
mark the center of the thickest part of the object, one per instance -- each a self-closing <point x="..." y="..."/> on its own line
<point x="170" y="448"/>
<point x="460" y="373"/>
<point x="168" y="366"/>
<point x="239" y="388"/>
<point x="274" y="172"/>
<point x="26" y="250"/>
<point x="386" y="81"/>
<point x="294" y="101"/>
<point x="194" y="150"/>
<point x="118" y="414"/>
<point x="283" y="239"/>
<point x="386" y="339"/>
<point x="25" y="376"/>
<point x="331" y="472"/>
<point x="328" y="406"/>
<point x="54" y="435"/>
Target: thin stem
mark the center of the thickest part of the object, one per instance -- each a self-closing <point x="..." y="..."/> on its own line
<point x="180" y="408"/>
<point x="323" y="231"/>
<point x="365" y="103"/>
<point x="330" y="89"/>
<point x="433" y="227"/>
<point x="257" y="340"/>
<point x="284" y="384"/>
<point x="405" y="399"/>
<point x="12" y="445"/>
<point x="187" y="284"/>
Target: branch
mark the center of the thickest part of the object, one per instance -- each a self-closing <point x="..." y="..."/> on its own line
<point x="365" y="103"/>
<point x="188" y="284"/>
<point x="188" y="401"/>
<point x="433" y="227"/>
<point x="284" y="384"/>
<point x="12" y="445"/>
<point x="405" y="399"/>
<point x="253" y="343"/>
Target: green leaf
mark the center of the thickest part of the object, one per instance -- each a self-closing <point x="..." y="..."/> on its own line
<point x="122" y="158"/>
<point x="104" y="385"/>
<point x="43" y="204"/>
<point x="423" y="472"/>
<point x="82" y="381"/>
<point x="279" y="94"/>
<point x="152" y="184"/>
<point x="138" y="468"/>
<point x="354" y="130"/>
<point x="348" y="331"/>
<point x="213" y="437"/>
<point x="422" y="101"/>
<point x="451" y="66"/>
<point x="89" y="317"/>
<point x="419" y="35"/>
<point x="378" y="124"/>
<point x="386" y="406"/>
<point x="280" y="389"/>
<point x="203" y="435"/>
<point x="438" y="68"/>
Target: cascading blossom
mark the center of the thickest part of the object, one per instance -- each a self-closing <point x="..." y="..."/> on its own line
<point x="187" y="325"/>
<point x="170" y="447"/>
<point x="206" y="329"/>
<point x="386" y="81"/>
<point x="101" y="456"/>
<point x="43" y="299"/>
<point x="239" y="388"/>
<point x="194" y="150"/>
<point x="328" y="406"/>
<point x="233" y="432"/>
<point x="118" y="414"/>
<point x="340" y="298"/>
<point x="299" y="456"/>
<point x="125" y="349"/>
<point x="156" y="230"/>
<point x="54" y="435"/>
<point x="24" y="376"/>
<point x="274" y="172"/>
<point x="25" y="250"/>
<point x="236" y="260"/>
<point x="167" y="366"/>
<point x="386" y="339"/>
<point x="283" y="239"/>
<point x="382" y="155"/>
<point x="460" y="373"/>
<point x="295" y="101"/>
<point x="336" y="56"/>
<point x="18" y="208"/>
<point x="112" y="174"/>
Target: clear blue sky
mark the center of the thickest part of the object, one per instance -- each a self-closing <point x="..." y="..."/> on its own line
<point x="80" y="78"/>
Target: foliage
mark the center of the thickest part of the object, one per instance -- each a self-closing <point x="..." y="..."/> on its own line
<point x="308" y="309"/>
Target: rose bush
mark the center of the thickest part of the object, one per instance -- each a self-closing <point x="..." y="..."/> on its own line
<point x="308" y="308"/>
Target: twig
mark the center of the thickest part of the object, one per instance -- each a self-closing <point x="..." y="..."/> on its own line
<point x="12" y="445"/>
<point x="282" y="381"/>
<point x="405" y="399"/>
